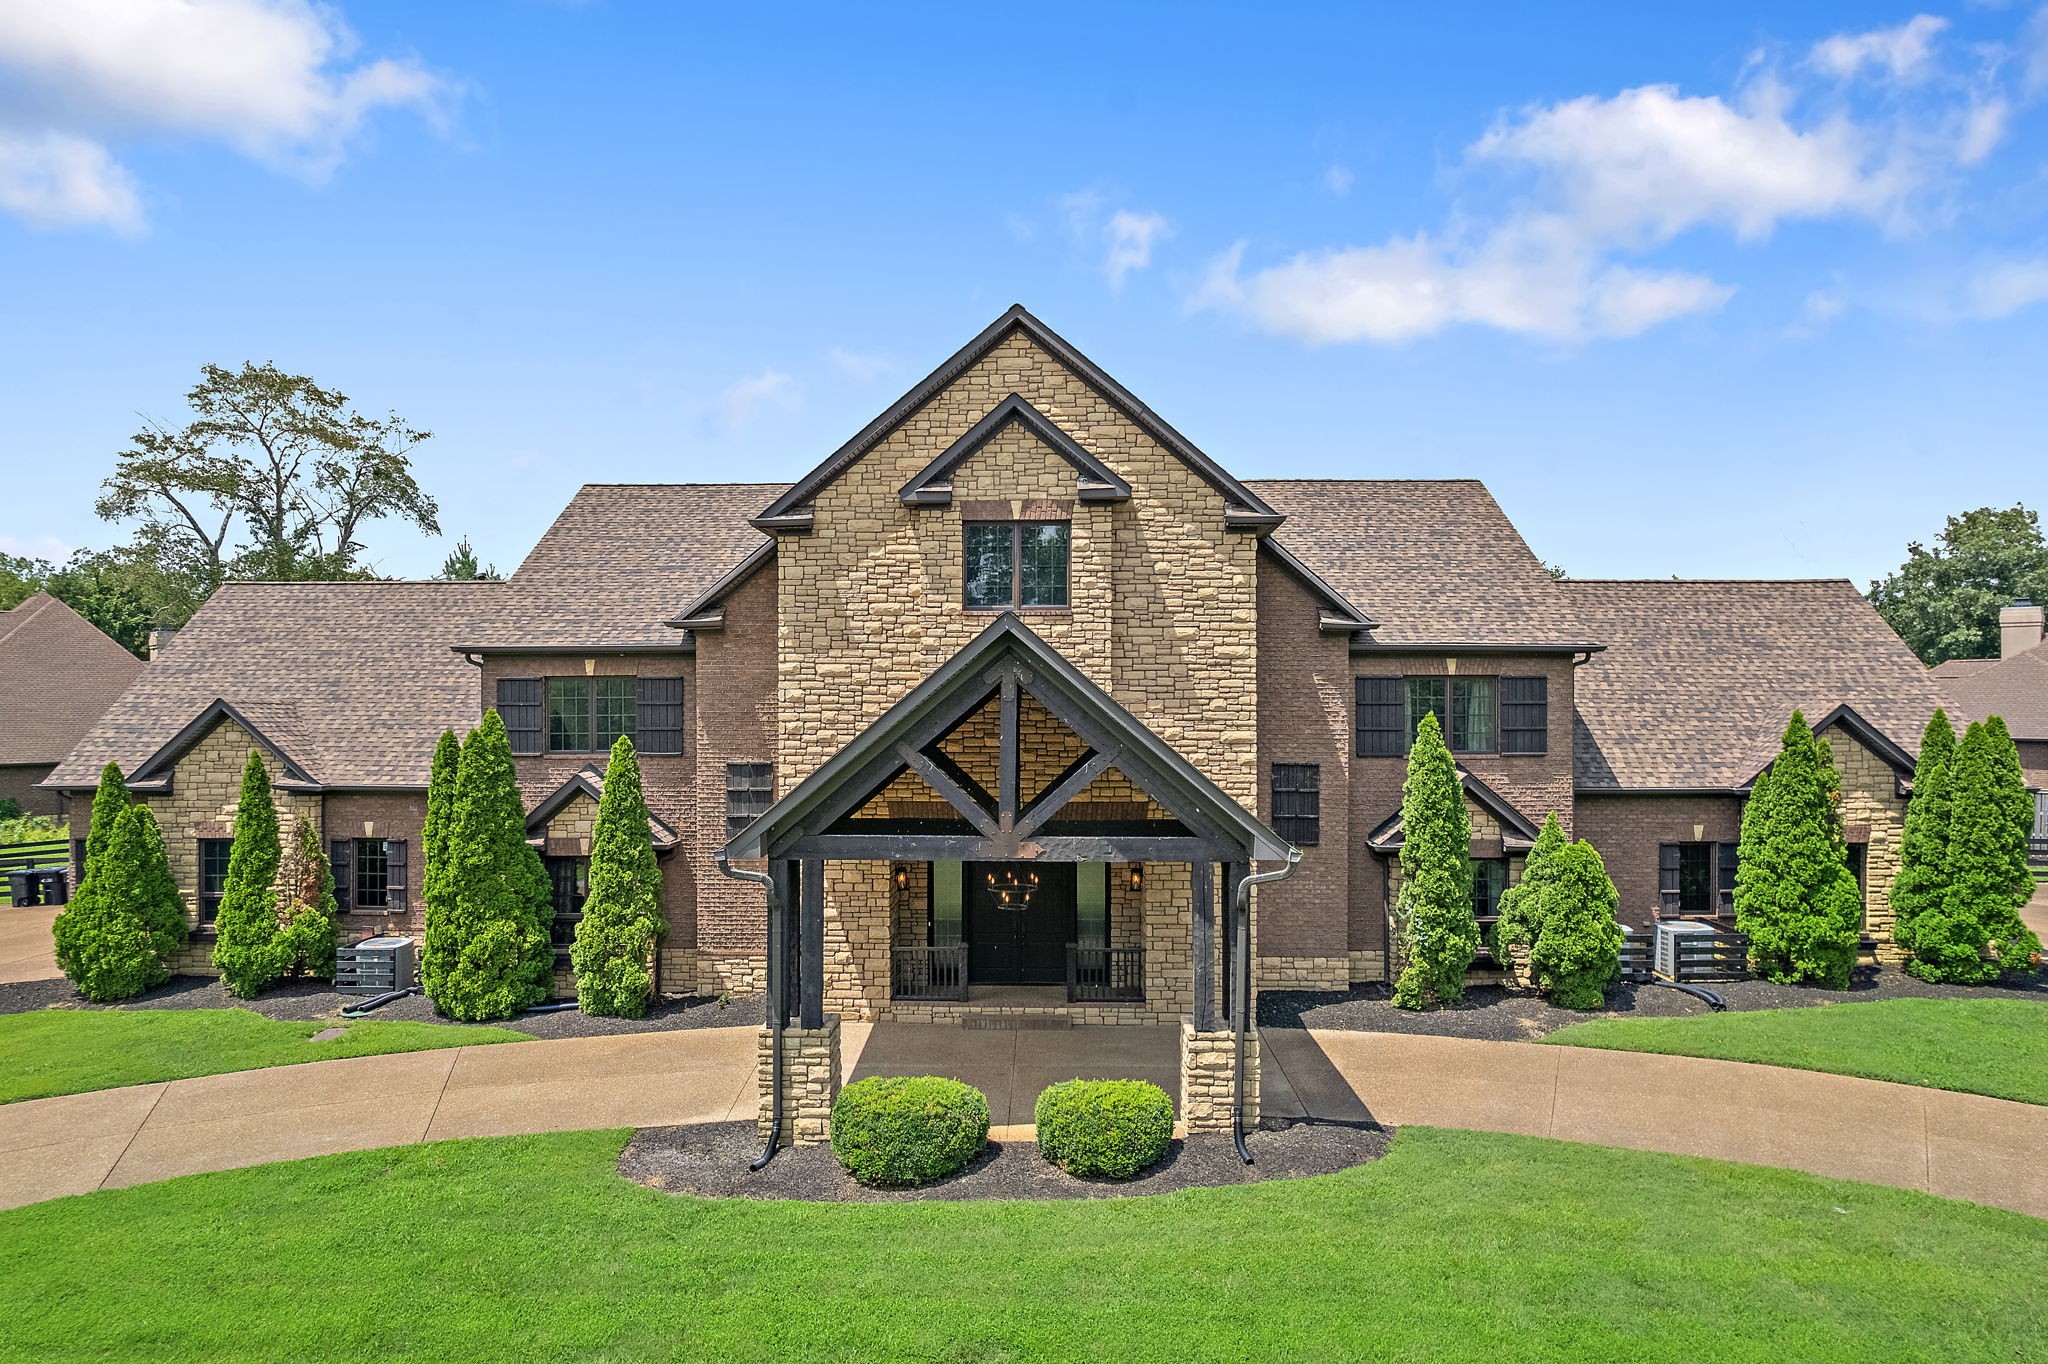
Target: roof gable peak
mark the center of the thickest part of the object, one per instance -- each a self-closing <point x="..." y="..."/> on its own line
<point x="1095" y="481"/>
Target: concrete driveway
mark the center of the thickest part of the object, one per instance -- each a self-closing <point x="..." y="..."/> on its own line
<point x="26" y="952"/>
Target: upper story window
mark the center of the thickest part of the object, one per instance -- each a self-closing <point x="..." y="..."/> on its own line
<point x="586" y="714"/>
<point x="1015" y="565"/>
<point x="1509" y="715"/>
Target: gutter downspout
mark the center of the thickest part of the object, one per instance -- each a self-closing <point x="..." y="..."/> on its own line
<point x="767" y="884"/>
<point x="1241" y="992"/>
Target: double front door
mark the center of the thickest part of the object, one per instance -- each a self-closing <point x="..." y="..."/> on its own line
<point x="1020" y="920"/>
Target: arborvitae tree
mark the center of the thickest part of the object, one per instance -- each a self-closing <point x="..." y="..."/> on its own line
<point x="306" y="909"/>
<point x="1434" y="908"/>
<point x="1795" y="896"/>
<point x="1922" y="880"/>
<point x="108" y="801"/>
<point x="248" y="947"/>
<point x="441" y="782"/>
<point x="490" y="950"/>
<point x="114" y="937"/>
<point x="1521" y="905"/>
<point x="622" y="916"/>
<point x="1577" y="954"/>
<point x="1986" y="870"/>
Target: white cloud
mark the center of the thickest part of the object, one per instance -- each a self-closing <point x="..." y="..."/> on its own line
<point x="53" y="179"/>
<point x="2002" y="289"/>
<point x="1821" y="307"/>
<point x="859" y="366"/>
<point x="1338" y="180"/>
<point x="42" y="547"/>
<point x="1904" y="52"/>
<point x="1130" y="237"/>
<point x="1590" y="181"/>
<point x="738" y="405"/>
<point x="274" y="79"/>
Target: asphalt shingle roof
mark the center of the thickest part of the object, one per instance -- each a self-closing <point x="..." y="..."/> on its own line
<point x="1700" y="677"/>
<point x="1432" y="561"/>
<point x="58" y="674"/>
<point x="2015" y="688"/>
<point x="353" y="680"/>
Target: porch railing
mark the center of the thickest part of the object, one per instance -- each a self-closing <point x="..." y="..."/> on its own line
<point x="1105" y="974"/>
<point x="929" y="972"/>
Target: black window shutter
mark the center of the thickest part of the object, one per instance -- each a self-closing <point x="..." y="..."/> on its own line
<point x="1525" y="715"/>
<point x="394" y="876"/>
<point x="1297" y="803"/>
<point x="660" y="719"/>
<point x="519" y="706"/>
<point x="338" y="863"/>
<point x="1730" y="862"/>
<point x="1667" y="876"/>
<point x="1382" y="716"/>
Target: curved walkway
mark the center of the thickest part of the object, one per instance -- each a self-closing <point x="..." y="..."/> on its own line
<point x="1957" y="1145"/>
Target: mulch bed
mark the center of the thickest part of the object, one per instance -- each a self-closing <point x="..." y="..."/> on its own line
<point x="1493" y="1014"/>
<point x="313" y="1000"/>
<point x="709" y="1160"/>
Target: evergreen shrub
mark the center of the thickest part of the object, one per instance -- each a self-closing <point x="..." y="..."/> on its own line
<point x="306" y="907"/>
<point x="901" y="1130"/>
<point x="1577" y="953"/>
<point x="1795" y="897"/>
<point x="1521" y="907"/>
<point x="1438" y="934"/>
<point x="1109" y="1129"/>
<point x="249" y="949"/>
<point x="1922" y="879"/>
<point x="441" y="783"/>
<point x="115" y="937"/>
<point x="622" y="914"/>
<point x="1975" y="934"/>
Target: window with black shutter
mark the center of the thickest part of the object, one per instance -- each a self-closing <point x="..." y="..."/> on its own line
<point x="372" y="874"/>
<point x="660" y="702"/>
<point x="519" y="706"/>
<point x="749" y="791"/>
<point x="1382" y="706"/>
<point x="341" y="866"/>
<point x="397" y="888"/>
<point x="1686" y="880"/>
<point x="1727" y="864"/>
<point x="1298" y="803"/>
<point x="1525" y="715"/>
<point x="587" y="714"/>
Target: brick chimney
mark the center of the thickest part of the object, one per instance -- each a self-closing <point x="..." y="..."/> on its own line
<point x="2021" y="627"/>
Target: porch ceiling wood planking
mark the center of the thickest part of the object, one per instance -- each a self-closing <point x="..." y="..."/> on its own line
<point x="1002" y="663"/>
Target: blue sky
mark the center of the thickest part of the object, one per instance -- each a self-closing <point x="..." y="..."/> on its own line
<point x="1717" y="290"/>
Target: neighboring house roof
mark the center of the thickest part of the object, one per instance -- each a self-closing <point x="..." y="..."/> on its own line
<point x="1435" y="563"/>
<point x="1243" y="507"/>
<point x="1963" y="667"/>
<point x="352" y="681"/>
<point x="1700" y="677"/>
<point x="620" y="561"/>
<point x="58" y="675"/>
<point x="2014" y="688"/>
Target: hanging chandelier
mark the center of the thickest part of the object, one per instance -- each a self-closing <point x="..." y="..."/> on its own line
<point x="1010" y="889"/>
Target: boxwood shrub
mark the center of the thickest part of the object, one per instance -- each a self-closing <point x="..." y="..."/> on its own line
<point x="1109" y="1128"/>
<point x="908" y="1129"/>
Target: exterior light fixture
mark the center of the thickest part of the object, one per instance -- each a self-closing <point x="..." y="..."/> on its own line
<point x="902" y="877"/>
<point x="1137" y="876"/>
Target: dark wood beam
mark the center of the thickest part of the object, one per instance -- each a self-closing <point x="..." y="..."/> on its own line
<point x="1075" y="780"/>
<point x="969" y="848"/>
<point x="1233" y="874"/>
<point x="1007" y="799"/>
<point x="781" y="940"/>
<point x="967" y="805"/>
<point x="1203" y="877"/>
<point x="811" y="973"/>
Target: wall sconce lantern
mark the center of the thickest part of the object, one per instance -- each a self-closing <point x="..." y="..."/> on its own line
<point x="902" y="878"/>
<point x="1137" y="876"/>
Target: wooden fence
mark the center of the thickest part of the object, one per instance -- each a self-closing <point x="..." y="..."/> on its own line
<point x="51" y="853"/>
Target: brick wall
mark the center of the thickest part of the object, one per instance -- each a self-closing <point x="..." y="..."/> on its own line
<point x="1627" y="830"/>
<point x="734" y="723"/>
<point x="390" y="815"/>
<point x="668" y="782"/>
<point x="1304" y="938"/>
<point x="18" y="782"/>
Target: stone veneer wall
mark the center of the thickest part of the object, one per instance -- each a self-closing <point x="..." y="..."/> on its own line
<point x="1208" y="1071"/>
<point x="206" y="789"/>
<point x="1162" y="615"/>
<point x="810" y="1081"/>
<point x="1870" y="799"/>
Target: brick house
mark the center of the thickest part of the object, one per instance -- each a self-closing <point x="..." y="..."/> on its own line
<point x="998" y="707"/>
<point x="58" y="673"/>
<point x="2014" y="686"/>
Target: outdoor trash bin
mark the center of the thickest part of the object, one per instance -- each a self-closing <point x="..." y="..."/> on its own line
<point x="23" y="888"/>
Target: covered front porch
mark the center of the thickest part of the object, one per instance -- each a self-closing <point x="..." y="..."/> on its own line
<point x="1008" y="845"/>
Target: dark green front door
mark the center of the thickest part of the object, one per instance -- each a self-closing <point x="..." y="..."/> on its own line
<point x="1020" y="921"/>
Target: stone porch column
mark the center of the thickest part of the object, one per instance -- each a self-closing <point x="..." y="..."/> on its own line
<point x="810" y="1081"/>
<point x="1208" y="1071"/>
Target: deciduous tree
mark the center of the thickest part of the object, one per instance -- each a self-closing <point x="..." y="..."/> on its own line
<point x="1944" y="601"/>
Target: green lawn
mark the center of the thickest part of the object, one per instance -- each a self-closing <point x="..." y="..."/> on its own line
<point x="1459" y="1245"/>
<point x="68" y="1051"/>
<point x="1979" y="1046"/>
